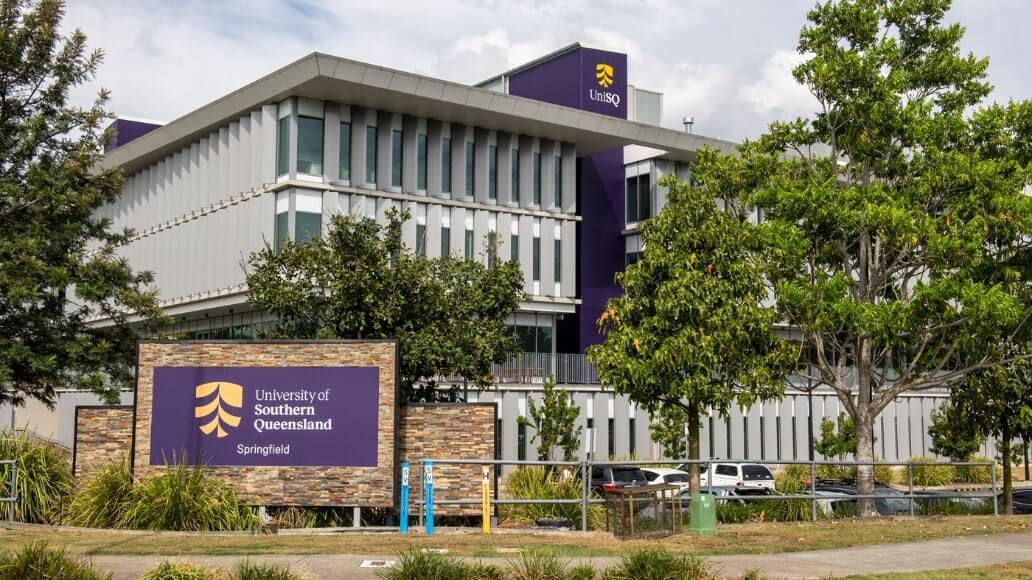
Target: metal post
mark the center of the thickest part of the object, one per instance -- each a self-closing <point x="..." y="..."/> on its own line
<point x="809" y="407"/>
<point x="428" y="478"/>
<point x="996" y="500"/>
<point x="356" y="517"/>
<point x="1025" y="441"/>
<point x="422" y="498"/>
<point x="910" y="486"/>
<point x="485" y="511"/>
<point x="403" y="524"/>
<point x="14" y="488"/>
<point x="813" y="491"/>
<point x="585" y="474"/>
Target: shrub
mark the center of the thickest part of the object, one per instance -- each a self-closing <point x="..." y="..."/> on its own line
<point x="246" y="570"/>
<point x="978" y="473"/>
<point x="659" y="563"/>
<point x="310" y="517"/>
<point x="792" y="479"/>
<point x="99" y="502"/>
<point x="169" y="570"/>
<point x="931" y="475"/>
<point x="581" y="572"/>
<point x="535" y="482"/>
<point x="37" y="561"/>
<point x="44" y="478"/>
<point x="839" y="472"/>
<point x="416" y="565"/>
<point x="184" y="498"/>
<point x="885" y="474"/>
<point x="536" y="564"/>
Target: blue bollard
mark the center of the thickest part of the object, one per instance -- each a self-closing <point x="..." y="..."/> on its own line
<point x="428" y="478"/>
<point x="404" y="497"/>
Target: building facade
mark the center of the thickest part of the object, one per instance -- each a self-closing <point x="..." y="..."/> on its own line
<point x="558" y="160"/>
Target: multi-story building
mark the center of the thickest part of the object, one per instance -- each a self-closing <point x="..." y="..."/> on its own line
<point x="560" y="158"/>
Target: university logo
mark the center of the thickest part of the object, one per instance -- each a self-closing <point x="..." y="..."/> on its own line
<point x="604" y="75"/>
<point x="226" y="395"/>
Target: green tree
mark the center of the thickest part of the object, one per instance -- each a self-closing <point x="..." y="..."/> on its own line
<point x="837" y="442"/>
<point x="995" y="402"/>
<point x="553" y="423"/>
<point x="359" y="281"/>
<point x="691" y="330"/>
<point x="886" y="209"/>
<point x="952" y="438"/>
<point x="59" y="270"/>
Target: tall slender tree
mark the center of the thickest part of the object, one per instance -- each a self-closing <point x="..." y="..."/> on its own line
<point x="59" y="269"/>
<point x="886" y="209"/>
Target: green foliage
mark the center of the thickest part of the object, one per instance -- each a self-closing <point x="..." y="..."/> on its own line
<point x="536" y="564"/>
<point x="690" y="330"/>
<point x="310" y="517"/>
<point x="58" y="265"/>
<point x="184" y="498"/>
<point x="883" y="474"/>
<point x="359" y="281"/>
<point x="37" y="561"/>
<point x="536" y="482"/>
<point x="44" y="478"/>
<point x="667" y="428"/>
<point x="752" y="574"/>
<point x="247" y="570"/>
<point x="169" y="570"/>
<point x="895" y="247"/>
<point x="932" y="475"/>
<point x="554" y="423"/>
<point x="978" y="473"/>
<point x="945" y="507"/>
<point x="99" y="501"/>
<point x="660" y="564"/>
<point x="838" y="442"/>
<point x="956" y="439"/>
<point x="417" y="565"/>
<point x="581" y="572"/>
<point x="792" y="479"/>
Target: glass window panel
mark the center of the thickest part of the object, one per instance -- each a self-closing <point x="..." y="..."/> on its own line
<point x="421" y="162"/>
<point x="345" y="151"/>
<point x="310" y="145"/>
<point x="558" y="181"/>
<point x="446" y="165"/>
<point x="396" y="158"/>
<point x="492" y="173"/>
<point x="307" y="225"/>
<point x="544" y="339"/>
<point x="421" y="239"/>
<point x="469" y="244"/>
<point x="558" y="261"/>
<point x="470" y="158"/>
<point x="514" y="246"/>
<point x="644" y="197"/>
<point x="537" y="178"/>
<point x="445" y="241"/>
<point x="283" y="146"/>
<point x="282" y="232"/>
<point x="370" y="156"/>
<point x="537" y="260"/>
<point x="632" y="199"/>
<point x="515" y="175"/>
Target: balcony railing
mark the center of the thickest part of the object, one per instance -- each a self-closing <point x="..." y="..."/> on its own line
<point x="536" y="368"/>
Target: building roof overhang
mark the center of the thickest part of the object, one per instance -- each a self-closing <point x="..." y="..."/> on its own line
<point x="325" y="77"/>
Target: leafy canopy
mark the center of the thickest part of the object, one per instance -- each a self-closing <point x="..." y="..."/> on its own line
<point x="59" y="269"/>
<point x="554" y="423"/>
<point x="359" y="281"/>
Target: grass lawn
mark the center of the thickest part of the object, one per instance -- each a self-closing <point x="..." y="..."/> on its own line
<point x="1004" y="571"/>
<point x="751" y="538"/>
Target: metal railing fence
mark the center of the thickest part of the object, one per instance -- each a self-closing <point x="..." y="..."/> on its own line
<point x="12" y="498"/>
<point x="582" y="471"/>
<point x="535" y="367"/>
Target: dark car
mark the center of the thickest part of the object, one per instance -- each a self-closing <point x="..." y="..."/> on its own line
<point x="1022" y="500"/>
<point x="612" y="477"/>
<point x="890" y="501"/>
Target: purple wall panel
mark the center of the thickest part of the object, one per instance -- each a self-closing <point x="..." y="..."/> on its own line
<point x="126" y="131"/>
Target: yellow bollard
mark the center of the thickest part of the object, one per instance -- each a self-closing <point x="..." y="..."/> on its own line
<point x="486" y="498"/>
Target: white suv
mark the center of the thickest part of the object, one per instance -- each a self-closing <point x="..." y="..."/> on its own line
<point x="737" y="475"/>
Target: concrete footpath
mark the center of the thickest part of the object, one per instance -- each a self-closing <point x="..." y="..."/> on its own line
<point x="910" y="557"/>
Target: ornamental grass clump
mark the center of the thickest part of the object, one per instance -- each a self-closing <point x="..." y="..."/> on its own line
<point x="44" y="479"/>
<point x="101" y="499"/>
<point x="185" y="498"/>
<point x="932" y="475"/>
<point x="417" y="565"/>
<point x="37" y="561"/>
<point x="537" y="482"/>
<point x="662" y="564"/>
<point x="978" y="473"/>
<point x="169" y="570"/>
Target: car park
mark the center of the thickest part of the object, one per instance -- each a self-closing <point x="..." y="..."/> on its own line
<point x="606" y="478"/>
<point x="888" y="503"/>
<point x="665" y="475"/>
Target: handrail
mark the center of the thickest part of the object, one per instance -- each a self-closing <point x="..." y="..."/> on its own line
<point x="13" y="481"/>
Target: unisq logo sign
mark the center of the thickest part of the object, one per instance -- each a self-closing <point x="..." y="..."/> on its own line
<point x="216" y="415"/>
<point x="604" y="75"/>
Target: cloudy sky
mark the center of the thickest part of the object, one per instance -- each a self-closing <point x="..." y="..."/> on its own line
<point x="726" y="62"/>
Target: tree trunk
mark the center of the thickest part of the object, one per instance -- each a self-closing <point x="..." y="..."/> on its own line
<point x="694" y="428"/>
<point x="1005" y="450"/>
<point x="865" y="473"/>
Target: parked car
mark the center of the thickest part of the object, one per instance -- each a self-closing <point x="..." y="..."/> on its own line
<point x="890" y="501"/>
<point x="726" y="494"/>
<point x="612" y="477"/>
<point x="665" y="475"/>
<point x="741" y="475"/>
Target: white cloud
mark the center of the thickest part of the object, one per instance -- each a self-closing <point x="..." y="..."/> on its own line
<point x="776" y="92"/>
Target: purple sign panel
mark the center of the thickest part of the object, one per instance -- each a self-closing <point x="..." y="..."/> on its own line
<point x="585" y="78"/>
<point x="265" y="416"/>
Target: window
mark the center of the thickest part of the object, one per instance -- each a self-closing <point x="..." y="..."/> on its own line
<point x="396" y="158"/>
<point x="558" y="181"/>
<point x="470" y="158"/>
<point x="469" y="239"/>
<point x="639" y="198"/>
<point x="283" y="146"/>
<point x="537" y="178"/>
<point x="282" y="229"/>
<point x="521" y="442"/>
<point x="446" y="165"/>
<point x="445" y="233"/>
<point x="421" y="162"/>
<point x="515" y="175"/>
<point x="612" y="438"/>
<point x="536" y="339"/>
<point x="537" y="259"/>
<point x="514" y="247"/>
<point x="498" y="438"/>
<point x="726" y="470"/>
<point x="631" y="258"/>
<point x="558" y="272"/>
<point x="630" y="433"/>
<point x="421" y="229"/>
<point x="370" y="155"/>
<point x="492" y="172"/>
<point x="307" y="216"/>
<point x="309" y="145"/>
<point x="345" y="151"/>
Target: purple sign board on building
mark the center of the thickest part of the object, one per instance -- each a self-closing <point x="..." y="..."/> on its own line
<point x="265" y="416"/>
<point x="596" y="81"/>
